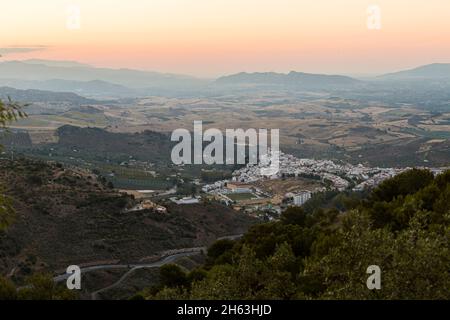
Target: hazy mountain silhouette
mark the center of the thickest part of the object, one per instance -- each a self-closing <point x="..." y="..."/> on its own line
<point x="435" y="70"/>
<point x="297" y="79"/>
<point x="50" y="70"/>
<point x="57" y="63"/>
<point x="93" y="88"/>
<point x="28" y="96"/>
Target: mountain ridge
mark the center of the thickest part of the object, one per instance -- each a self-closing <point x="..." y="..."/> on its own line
<point x="33" y="95"/>
<point x="433" y="70"/>
<point x="293" y="78"/>
<point x="125" y="77"/>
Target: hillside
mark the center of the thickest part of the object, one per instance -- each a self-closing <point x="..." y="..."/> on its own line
<point x="102" y="144"/>
<point x="31" y="95"/>
<point x="95" y="144"/>
<point x="68" y="216"/>
<point x="92" y="88"/>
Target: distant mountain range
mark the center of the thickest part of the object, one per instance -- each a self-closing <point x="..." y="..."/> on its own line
<point x="429" y="71"/>
<point x="50" y="70"/>
<point x="57" y="63"/>
<point x="93" y="88"/>
<point x="106" y="83"/>
<point x="298" y="79"/>
<point x="29" y="96"/>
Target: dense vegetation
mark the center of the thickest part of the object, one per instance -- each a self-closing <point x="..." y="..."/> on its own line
<point x="9" y="112"/>
<point x="38" y="286"/>
<point x="403" y="226"/>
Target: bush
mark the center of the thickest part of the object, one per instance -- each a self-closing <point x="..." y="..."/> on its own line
<point x="7" y="289"/>
<point x="172" y="276"/>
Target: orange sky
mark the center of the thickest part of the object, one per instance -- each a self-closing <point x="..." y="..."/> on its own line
<point x="215" y="37"/>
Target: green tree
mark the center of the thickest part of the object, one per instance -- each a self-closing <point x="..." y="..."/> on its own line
<point x="408" y="182"/>
<point x="282" y="268"/>
<point x="219" y="284"/>
<point x="242" y="280"/>
<point x="172" y="276"/>
<point x="414" y="264"/>
<point x="284" y="259"/>
<point x="419" y="268"/>
<point x="294" y="215"/>
<point x="343" y="270"/>
<point x="10" y="111"/>
<point x="220" y="252"/>
<point x="42" y="287"/>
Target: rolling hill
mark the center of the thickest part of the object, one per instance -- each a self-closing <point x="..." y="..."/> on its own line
<point x="430" y="71"/>
<point x="95" y="88"/>
<point x="31" y="95"/>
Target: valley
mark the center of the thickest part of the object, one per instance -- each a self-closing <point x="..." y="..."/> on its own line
<point x="90" y="175"/>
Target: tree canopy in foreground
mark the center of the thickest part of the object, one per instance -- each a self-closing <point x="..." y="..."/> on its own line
<point x="403" y="227"/>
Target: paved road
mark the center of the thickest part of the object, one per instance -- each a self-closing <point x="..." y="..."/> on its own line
<point x="159" y="263"/>
<point x="132" y="267"/>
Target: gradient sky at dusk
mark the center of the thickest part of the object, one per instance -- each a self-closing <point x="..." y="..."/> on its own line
<point x="216" y="37"/>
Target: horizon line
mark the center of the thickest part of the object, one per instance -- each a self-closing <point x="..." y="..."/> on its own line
<point x="90" y="65"/>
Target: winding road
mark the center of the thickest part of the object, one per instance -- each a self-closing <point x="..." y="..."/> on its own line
<point x="133" y="267"/>
<point x="160" y="263"/>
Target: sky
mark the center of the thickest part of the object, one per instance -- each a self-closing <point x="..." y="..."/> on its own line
<point x="209" y="38"/>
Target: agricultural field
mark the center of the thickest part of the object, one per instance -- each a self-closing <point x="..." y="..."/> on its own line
<point x="312" y="125"/>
